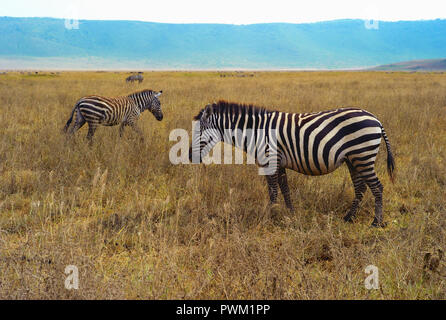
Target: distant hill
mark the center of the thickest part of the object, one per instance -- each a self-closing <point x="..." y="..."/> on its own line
<point x="339" y="44"/>
<point x="415" y="65"/>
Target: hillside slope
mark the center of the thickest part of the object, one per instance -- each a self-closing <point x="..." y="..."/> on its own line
<point x="332" y="44"/>
<point x="415" y="65"/>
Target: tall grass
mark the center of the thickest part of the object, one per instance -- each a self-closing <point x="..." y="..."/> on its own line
<point x="138" y="227"/>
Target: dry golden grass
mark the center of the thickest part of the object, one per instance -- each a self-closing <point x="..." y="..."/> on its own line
<point x="138" y="227"/>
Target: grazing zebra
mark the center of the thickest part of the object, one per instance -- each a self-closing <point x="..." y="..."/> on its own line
<point x="135" y="77"/>
<point x="97" y="110"/>
<point x="309" y="143"/>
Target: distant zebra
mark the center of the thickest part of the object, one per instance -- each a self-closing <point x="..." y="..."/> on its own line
<point x="97" y="110"/>
<point x="309" y="143"/>
<point x="135" y="77"/>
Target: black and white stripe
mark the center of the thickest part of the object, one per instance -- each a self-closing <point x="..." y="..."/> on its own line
<point x="309" y="143"/>
<point x="97" y="110"/>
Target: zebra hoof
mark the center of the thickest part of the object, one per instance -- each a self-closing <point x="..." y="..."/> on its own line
<point x="377" y="224"/>
<point x="349" y="218"/>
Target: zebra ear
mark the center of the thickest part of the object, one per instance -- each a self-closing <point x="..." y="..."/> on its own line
<point x="158" y="94"/>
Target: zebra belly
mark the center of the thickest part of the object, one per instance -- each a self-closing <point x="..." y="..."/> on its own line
<point x="112" y="120"/>
<point x="292" y="166"/>
<point x="110" y="124"/>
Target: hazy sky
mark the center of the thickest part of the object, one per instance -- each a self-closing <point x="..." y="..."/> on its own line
<point x="226" y="11"/>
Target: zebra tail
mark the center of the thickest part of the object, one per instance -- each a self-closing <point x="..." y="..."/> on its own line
<point x="67" y="125"/>
<point x="390" y="158"/>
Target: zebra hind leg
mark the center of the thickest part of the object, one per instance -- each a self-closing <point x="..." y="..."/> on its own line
<point x="80" y="121"/>
<point x="377" y="190"/>
<point x="360" y="188"/>
<point x="283" y="184"/>
<point x="91" y="130"/>
<point x="372" y="181"/>
<point x="121" y="129"/>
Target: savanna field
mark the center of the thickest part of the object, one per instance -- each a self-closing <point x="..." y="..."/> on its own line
<point x="138" y="227"/>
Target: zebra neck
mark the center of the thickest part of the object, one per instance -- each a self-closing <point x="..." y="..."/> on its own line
<point x="233" y="126"/>
<point x="138" y="101"/>
<point x="245" y="121"/>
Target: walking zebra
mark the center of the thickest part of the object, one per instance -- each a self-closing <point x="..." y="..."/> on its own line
<point x="309" y="143"/>
<point x="97" y="110"/>
<point x="135" y="77"/>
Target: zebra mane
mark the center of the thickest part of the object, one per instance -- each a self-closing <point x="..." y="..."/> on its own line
<point x="223" y="106"/>
<point x="140" y="92"/>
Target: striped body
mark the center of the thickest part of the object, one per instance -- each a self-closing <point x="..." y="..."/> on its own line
<point x="124" y="111"/>
<point x="316" y="144"/>
<point x="309" y="143"/>
<point x="108" y="111"/>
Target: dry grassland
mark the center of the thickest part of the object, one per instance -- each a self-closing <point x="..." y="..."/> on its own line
<point x="138" y="227"/>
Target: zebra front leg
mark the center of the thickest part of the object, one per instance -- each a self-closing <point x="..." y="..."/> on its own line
<point x="272" y="187"/>
<point x="138" y="131"/>
<point x="283" y="184"/>
<point x="360" y="188"/>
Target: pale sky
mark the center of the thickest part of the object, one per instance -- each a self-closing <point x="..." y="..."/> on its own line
<point x="226" y="11"/>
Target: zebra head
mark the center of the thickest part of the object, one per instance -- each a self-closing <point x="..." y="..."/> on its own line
<point x="154" y="105"/>
<point x="206" y="135"/>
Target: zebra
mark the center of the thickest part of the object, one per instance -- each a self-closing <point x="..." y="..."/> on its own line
<point x="309" y="143"/>
<point x="97" y="110"/>
<point x="135" y="77"/>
